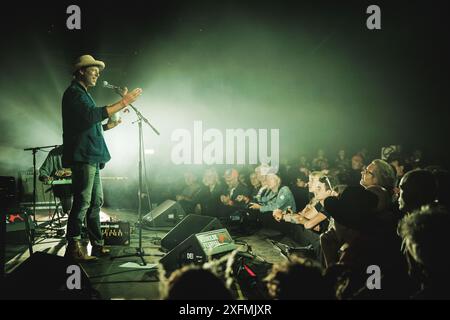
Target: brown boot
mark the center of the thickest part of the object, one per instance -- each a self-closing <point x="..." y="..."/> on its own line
<point x="75" y="252"/>
<point x="83" y="247"/>
<point x="100" y="251"/>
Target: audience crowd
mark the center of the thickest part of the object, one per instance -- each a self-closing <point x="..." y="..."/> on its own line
<point x="357" y="219"/>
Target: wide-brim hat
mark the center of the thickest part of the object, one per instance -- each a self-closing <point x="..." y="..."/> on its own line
<point x="87" y="61"/>
<point x="355" y="208"/>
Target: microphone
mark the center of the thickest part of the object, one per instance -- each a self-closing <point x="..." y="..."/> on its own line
<point x="110" y="86"/>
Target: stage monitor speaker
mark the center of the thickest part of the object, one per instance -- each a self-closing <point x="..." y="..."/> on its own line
<point x="191" y="224"/>
<point x="198" y="248"/>
<point x="20" y="227"/>
<point x="45" y="276"/>
<point x="167" y="214"/>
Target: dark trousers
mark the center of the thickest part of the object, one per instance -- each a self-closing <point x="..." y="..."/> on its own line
<point x="65" y="196"/>
<point x="87" y="201"/>
<point x="296" y="232"/>
<point x="306" y="237"/>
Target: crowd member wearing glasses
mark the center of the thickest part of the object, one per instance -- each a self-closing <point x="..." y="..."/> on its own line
<point x="379" y="173"/>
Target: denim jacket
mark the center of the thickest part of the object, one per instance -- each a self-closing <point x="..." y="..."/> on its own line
<point x="82" y="130"/>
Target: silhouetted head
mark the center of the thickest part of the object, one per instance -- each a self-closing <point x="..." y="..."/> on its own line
<point x="195" y="283"/>
<point x="298" y="279"/>
<point x="357" y="162"/>
<point x="443" y="186"/>
<point x="425" y="236"/>
<point x="417" y="188"/>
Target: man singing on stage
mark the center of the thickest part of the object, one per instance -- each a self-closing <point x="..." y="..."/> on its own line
<point x="85" y="152"/>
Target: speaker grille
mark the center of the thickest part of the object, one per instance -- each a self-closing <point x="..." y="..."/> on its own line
<point x="191" y="224"/>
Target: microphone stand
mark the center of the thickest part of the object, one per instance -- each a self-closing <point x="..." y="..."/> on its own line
<point x="139" y="251"/>
<point x="33" y="150"/>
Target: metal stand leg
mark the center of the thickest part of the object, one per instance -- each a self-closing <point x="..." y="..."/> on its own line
<point x="28" y="232"/>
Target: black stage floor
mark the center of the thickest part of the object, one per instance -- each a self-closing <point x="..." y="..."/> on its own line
<point x="114" y="280"/>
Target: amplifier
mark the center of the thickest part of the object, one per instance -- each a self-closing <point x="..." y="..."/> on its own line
<point x="215" y="242"/>
<point x="8" y="191"/>
<point x="198" y="248"/>
<point x="116" y="233"/>
<point x="19" y="226"/>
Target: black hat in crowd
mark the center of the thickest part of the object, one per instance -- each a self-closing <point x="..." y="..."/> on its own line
<point x="354" y="208"/>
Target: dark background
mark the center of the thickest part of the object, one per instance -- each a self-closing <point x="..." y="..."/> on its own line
<point x="311" y="69"/>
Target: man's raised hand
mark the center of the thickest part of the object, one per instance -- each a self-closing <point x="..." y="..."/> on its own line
<point x="130" y="97"/>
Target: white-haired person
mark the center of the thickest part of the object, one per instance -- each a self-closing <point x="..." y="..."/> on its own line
<point x="259" y="180"/>
<point x="262" y="172"/>
<point x="379" y="173"/>
<point x="280" y="198"/>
